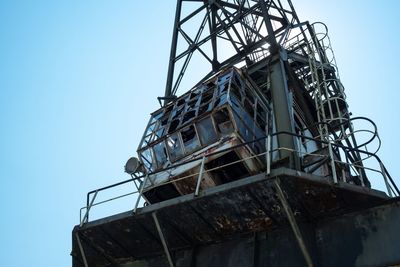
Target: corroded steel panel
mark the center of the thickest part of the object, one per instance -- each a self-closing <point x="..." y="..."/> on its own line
<point x="225" y="212"/>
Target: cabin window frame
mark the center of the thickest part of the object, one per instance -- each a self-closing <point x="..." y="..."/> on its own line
<point x="199" y="146"/>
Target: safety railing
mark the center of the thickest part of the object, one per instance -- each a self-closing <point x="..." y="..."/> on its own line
<point x="331" y="160"/>
<point x="94" y="195"/>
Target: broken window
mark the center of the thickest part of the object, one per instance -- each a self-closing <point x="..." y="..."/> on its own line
<point x="206" y="100"/>
<point x="224" y="78"/>
<point x="217" y="102"/>
<point x="149" y="133"/>
<point x="189" y="116"/>
<point x="194" y="97"/>
<point x="164" y="119"/>
<point x="203" y="109"/>
<point x="156" y="127"/>
<point x="173" y="126"/>
<point x="174" y="147"/>
<point x="156" y="117"/>
<point x="177" y="112"/>
<point x="223" y="88"/>
<point x="159" y="133"/>
<point x="145" y="141"/>
<point x="160" y="154"/>
<point x="147" y="159"/>
<point x="207" y="96"/>
<point x="223" y="122"/>
<point x="189" y="138"/>
<point x="206" y="131"/>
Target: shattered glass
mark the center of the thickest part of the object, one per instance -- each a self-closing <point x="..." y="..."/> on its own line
<point x="206" y="131"/>
<point x="161" y="154"/>
<point x="223" y="121"/>
<point x="190" y="140"/>
<point x="174" y="147"/>
<point x="147" y="159"/>
<point x="217" y="108"/>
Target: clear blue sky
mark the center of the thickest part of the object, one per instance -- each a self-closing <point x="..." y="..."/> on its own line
<point x="78" y="80"/>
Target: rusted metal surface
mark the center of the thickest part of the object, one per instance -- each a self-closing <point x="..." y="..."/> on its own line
<point x="223" y="210"/>
<point x="225" y="161"/>
<point x="218" y="114"/>
<point x="241" y="207"/>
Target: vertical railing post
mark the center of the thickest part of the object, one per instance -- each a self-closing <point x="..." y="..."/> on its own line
<point x="385" y="179"/>
<point x="140" y="193"/>
<point x="196" y="193"/>
<point x="86" y="216"/>
<point x="268" y="154"/>
<point x="335" y="180"/>
<point x="361" y="177"/>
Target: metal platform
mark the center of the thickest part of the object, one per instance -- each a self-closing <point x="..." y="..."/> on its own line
<point x="218" y="214"/>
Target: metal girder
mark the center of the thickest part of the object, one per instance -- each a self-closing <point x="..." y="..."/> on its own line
<point x="245" y="25"/>
<point x="293" y="223"/>
<point x="162" y="238"/>
<point x="282" y="107"/>
<point x="81" y="249"/>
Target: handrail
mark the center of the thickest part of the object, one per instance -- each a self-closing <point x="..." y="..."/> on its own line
<point x="244" y="144"/>
<point x="383" y="171"/>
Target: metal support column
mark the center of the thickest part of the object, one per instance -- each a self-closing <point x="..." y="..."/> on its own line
<point x="293" y="223"/>
<point x="164" y="243"/>
<point x="81" y="250"/>
<point x="282" y="110"/>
